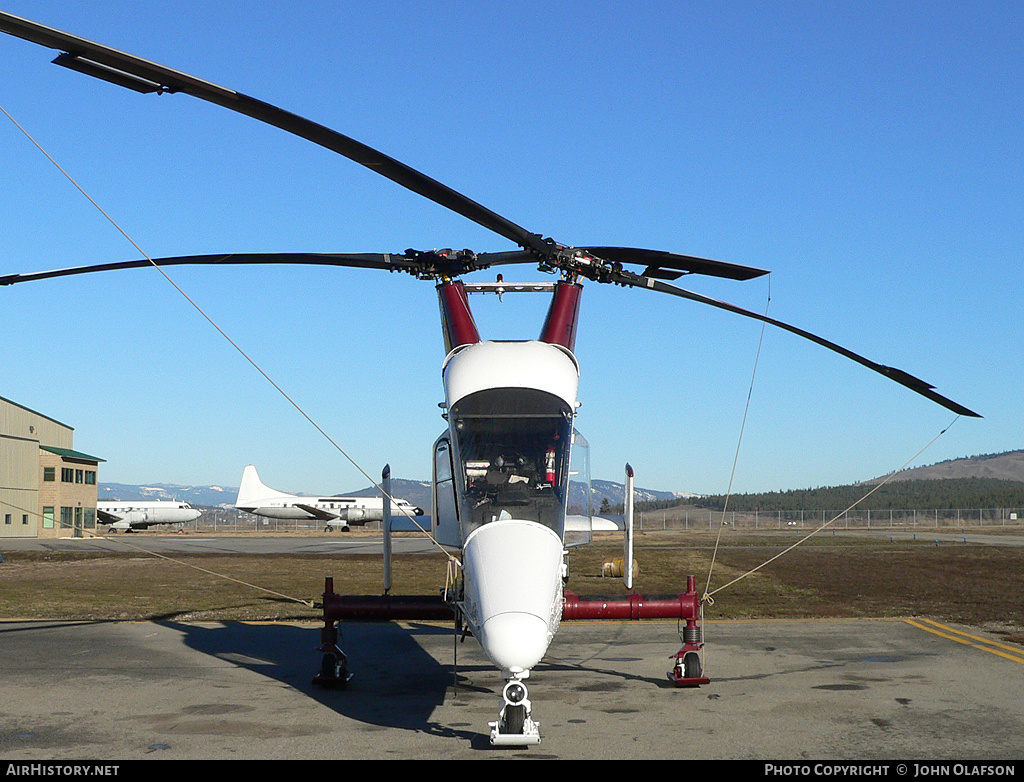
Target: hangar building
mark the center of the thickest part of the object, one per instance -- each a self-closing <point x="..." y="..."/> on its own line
<point x="47" y="489"/>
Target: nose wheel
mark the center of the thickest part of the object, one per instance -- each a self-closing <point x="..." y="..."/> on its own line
<point x="515" y="726"/>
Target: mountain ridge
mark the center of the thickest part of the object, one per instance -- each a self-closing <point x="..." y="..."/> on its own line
<point x="1008" y="466"/>
<point x="416" y="492"/>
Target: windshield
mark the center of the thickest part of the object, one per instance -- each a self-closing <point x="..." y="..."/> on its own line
<point x="513" y="446"/>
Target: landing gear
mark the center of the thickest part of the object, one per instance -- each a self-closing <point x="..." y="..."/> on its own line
<point x="515" y="727"/>
<point x="334" y="672"/>
<point x="688" y="670"/>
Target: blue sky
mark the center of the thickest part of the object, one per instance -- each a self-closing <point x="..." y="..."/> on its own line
<point x="869" y="154"/>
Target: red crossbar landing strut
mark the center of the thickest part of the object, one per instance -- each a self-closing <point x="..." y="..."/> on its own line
<point x="687" y="671"/>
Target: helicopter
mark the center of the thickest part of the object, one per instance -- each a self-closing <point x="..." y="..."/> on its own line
<point x="503" y="466"/>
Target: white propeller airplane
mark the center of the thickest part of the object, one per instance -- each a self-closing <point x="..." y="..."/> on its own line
<point x="502" y="464"/>
<point x="335" y="512"/>
<point x="134" y="515"/>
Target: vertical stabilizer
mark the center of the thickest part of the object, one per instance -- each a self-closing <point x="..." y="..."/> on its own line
<point x="627" y="526"/>
<point x="386" y="525"/>
<point x="252" y="491"/>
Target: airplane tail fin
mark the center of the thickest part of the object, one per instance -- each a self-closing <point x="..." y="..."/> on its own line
<point x="252" y="489"/>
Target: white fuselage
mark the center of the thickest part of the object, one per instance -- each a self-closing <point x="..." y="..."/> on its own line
<point x="350" y="509"/>
<point x="256" y="497"/>
<point x="510" y="408"/>
<point x="141" y="514"/>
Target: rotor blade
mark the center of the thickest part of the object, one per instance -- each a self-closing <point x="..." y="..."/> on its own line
<point x="126" y="70"/>
<point x="357" y="260"/>
<point x="898" y="375"/>
<point x="656" y="259"/>
<point x="410" y="261"/>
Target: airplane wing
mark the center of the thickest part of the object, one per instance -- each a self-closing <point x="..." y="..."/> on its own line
<point x="317" y="513"/>
<point x="106" y="517"/>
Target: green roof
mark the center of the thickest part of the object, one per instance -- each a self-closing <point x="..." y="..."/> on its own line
<point x="67" y="453"/>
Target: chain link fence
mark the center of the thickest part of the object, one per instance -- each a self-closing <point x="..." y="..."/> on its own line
<point x="698" y="519"/>
<point x="229" y="520"/>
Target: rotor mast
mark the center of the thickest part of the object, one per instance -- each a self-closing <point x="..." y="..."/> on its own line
<point x="459" y="327"/>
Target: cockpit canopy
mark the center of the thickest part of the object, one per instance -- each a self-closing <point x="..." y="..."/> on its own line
<point x="511" y="456"/>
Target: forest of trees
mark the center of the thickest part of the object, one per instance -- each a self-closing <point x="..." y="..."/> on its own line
<point x="946" y="494"/>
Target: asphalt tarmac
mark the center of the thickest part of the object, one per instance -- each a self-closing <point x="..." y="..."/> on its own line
<point x="866" y="690"/>
<point x="797" y="691"/>
<point x="203" y="543"/>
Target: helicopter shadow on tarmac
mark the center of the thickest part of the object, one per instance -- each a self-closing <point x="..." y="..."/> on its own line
<point x="396" y="684"/>
<point x="404" y="674"/>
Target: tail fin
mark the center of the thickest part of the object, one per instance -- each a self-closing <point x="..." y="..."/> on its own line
<point x="252" y="490"/>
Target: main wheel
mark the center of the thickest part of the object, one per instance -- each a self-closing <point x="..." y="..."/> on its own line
<point x="329" y="666"/>
<point x="691" y="665"/>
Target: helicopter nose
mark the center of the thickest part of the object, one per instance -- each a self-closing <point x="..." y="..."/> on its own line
<point x="513" y="590"/>
<point x="515" y="642"/>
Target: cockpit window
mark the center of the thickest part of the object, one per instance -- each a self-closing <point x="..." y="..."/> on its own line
<point x="513" y="448"/>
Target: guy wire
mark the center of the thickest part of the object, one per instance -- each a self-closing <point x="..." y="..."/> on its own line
<point x="739" y="441"/>
<point x="210" y="320"/>
<point x="839" y="515"/>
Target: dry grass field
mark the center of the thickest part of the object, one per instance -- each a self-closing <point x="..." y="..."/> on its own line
<point x="826" y="576"/>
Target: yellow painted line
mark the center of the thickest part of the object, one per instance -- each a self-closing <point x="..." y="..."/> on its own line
<point x="968" y="640"/>
<point x="1014" y="649"/>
